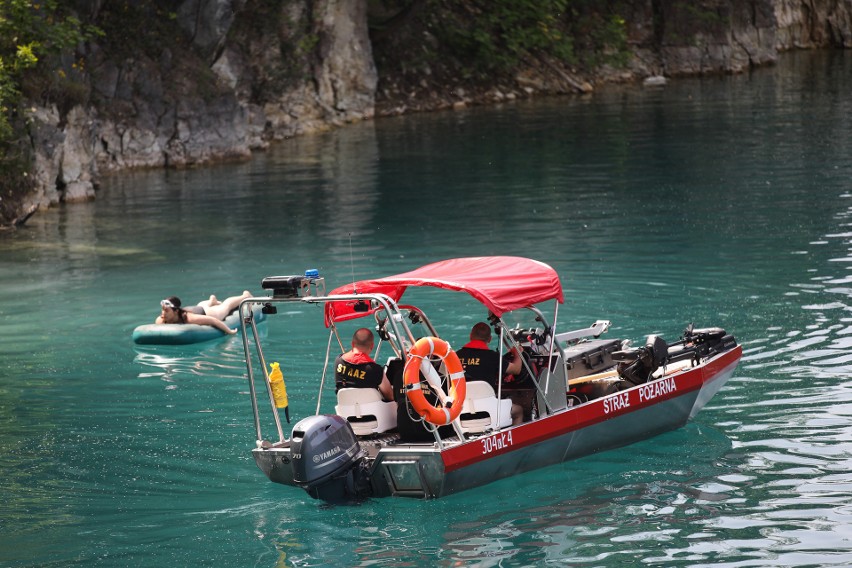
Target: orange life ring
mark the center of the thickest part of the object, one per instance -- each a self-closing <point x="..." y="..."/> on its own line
<point x="424" y="348"/>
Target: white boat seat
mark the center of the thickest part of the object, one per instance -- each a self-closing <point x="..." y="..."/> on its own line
<point x="480" y="409"/>
<point x="365" y="410"/>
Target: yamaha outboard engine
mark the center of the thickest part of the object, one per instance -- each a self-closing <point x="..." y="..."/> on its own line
<point x="328" y="462"/>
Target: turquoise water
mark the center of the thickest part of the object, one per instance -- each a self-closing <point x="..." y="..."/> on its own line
<point x="723" y="201"/>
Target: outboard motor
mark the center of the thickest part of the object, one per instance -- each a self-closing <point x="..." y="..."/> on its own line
<point x="328" y="462"/>
<point x="637" y="366"/>
<point x="698" y="343"/>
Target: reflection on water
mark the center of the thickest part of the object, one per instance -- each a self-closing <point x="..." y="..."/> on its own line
<point x="722" y="201"/>
<point x="219" y="357"/>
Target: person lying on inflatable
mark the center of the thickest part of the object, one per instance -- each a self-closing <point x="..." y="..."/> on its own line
<point x="210" y="312"/>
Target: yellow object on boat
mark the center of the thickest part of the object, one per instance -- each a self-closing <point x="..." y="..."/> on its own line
<point x="279" y="389"/>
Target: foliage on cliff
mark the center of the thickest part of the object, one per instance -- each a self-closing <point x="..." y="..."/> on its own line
<point x="32" y="37"/>
<point x="427" y="44"/>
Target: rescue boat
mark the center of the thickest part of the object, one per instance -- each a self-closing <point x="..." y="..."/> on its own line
<point x="442" y="434"/>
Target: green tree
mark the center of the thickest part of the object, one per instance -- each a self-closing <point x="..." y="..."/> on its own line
<point x="497" y="34"/>
<point x="481" y="39"/>
<point x="32" y="36"/>
<point x="30" y="33"/>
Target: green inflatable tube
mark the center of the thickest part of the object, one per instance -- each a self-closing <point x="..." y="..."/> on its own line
<point x="186" y="333"/>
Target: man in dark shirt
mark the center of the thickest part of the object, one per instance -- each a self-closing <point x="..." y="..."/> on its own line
<point x="356" y="369"/>
<point x="483" y="364"/>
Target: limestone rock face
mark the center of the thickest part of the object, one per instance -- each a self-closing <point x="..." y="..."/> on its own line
<point x="706" y="36"/>
<point x="48" y="140"/>
<point x="310" y="68"/>
<point x="63" y="163"/>
<point x="347" y="76"/>
<point x="75" y="175"/>
<point x="257" y="72"/>
<point x="673" y="37"/>
<point x="817" y="23"/>
<point x="207" y="22"/>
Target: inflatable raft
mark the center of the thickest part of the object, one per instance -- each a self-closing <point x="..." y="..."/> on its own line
<point x="186" y="333"/>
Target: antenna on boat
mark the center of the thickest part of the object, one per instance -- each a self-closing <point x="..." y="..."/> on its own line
<point x="352" y="264"/>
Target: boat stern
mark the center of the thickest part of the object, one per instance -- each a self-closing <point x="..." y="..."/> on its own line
<point x="276" y="463"/>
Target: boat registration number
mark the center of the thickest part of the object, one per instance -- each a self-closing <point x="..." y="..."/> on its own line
<point x="496" y="442"/>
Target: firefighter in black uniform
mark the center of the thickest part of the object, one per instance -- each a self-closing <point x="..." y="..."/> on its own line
<point x="356" y="369"/>
<point x="483" y="364"/>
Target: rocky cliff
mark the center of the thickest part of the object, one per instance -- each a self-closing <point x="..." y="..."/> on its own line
<point x="247" y="77"/>
<point x="714" y="36"/>
<point x="245" y="74"/>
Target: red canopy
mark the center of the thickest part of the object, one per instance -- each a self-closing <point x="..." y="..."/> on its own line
<point x="501" y="283"/>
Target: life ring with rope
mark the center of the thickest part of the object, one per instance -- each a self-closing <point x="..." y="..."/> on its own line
<point x="450" y="403"/>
